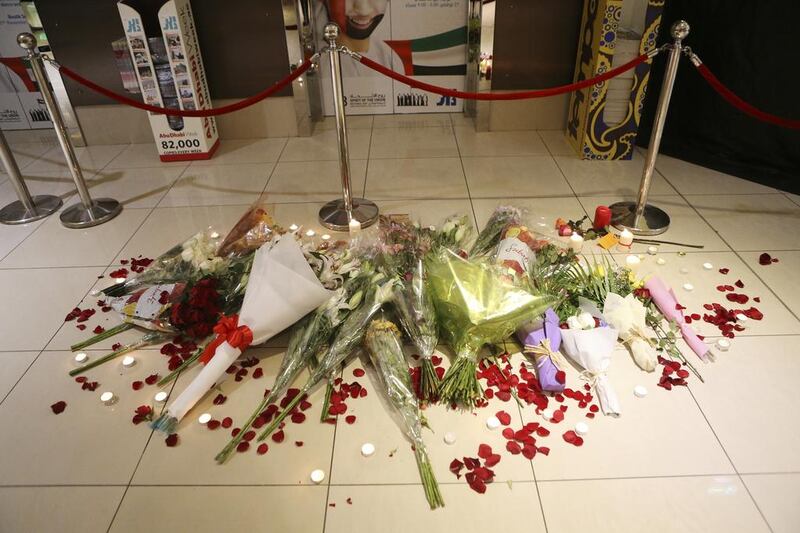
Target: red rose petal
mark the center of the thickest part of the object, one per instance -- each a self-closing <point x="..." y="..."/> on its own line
<point x="59" y="407"/>
<point x="363" y="392"/>
<point x="219" y="399"/>
<point x="278" y="436"/>
<point x="561" y="376"/>
<point x="724" y="270"/>
<point x="250" y="435"/>
<point x="98" y="330"/>
<point x="478" y="486"/>
<point x="172" y="440"/>
<point x="298" y="418"/>
<point x="492" y="460"/>
<point x="503" y="417"/>
<point x="242" y="446"/>
<point x="358" y="372"/>
<point x="258" y="373"/>
<point x="529" y="451"/>
<point x="350" y="419"/>
<point x="764" y="259"/>
<point x="544" y="450"/>
<point x="262" y="448"/>
<point x="298" y="443"/>
<point x="456" y="466"/>
<point x="570" y="436"/>
<point x="151" y="379"/>
<point x="436" y="360"/>
<point x="508" y="433"/>
<point x="739" y="284"/>
<point x="513" y="447"/>
<point x="484" y="451"/>
<point x="235" y="431"/>
<point x="213" y="424"/>
<point x="558" y="416"/>
<point x="227" y="422"/>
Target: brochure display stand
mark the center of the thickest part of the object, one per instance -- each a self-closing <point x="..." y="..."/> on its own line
<point x="169" y="68"/>
<point x="604" y="119"/>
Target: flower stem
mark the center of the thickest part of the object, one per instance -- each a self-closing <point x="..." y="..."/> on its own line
<point x="283" y="414"/>
<point x="174" y="374"/>
<point x="223" y="455"/>
<point x="429" y="483"/>
<point x="125" y="326"/>
<point x="326" y="403"/>
<point x="428" y="381"/>
<point x="460" y="385"/>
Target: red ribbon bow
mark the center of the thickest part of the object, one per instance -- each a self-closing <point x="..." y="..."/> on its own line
<point x="228" y="329"/>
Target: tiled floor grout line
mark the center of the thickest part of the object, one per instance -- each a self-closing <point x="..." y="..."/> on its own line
<point x="141" y="456"/>
<point x="730" y="460"/>
<point x="790" y="198"/>
<point x="330" y="468"/>
<point x="737" y="254"/>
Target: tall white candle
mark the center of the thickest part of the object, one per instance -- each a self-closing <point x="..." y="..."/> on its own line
<point x="576" y="242"/>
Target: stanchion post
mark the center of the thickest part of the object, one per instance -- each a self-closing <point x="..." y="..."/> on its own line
<point x="641" y="218"/>
<point x="338" y="214"/>
<point x="27" y="208"/>
<point x="87" y="212"/>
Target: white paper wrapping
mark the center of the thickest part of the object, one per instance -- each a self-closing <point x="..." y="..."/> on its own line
<point x="281" y="290"/>
<point x="628" y="316"/>
<point x="592" y="349"/>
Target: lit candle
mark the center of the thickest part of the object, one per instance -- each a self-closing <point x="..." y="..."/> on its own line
<point x="547" y="414"/>
<point x="317" y="476"/>
<point x="81" y="357"/>
<point x="367" y="449"/>
<point x="633" y="261"/>
<point x="128" y="361"/>
<point x="310" y="233"/>
<point x="708" y="266"/>
<point x="625" y="238"/>
<point x="326" y="237"/>
<point x="652" y="250"/>
<point x="107" y="398"/>
<point x="661" y="261"/>
<point x="492" y="422"/>
<point x="355" y="226"/>
<point x="723" y="345"/>
<point x="576" y="243"/>
<point x="204" y="418"/>
<point x="688" y="287"/>
<point x="119" y="281"/>
<point x="160" y="397"/>
<point x="294" y="227"/>
<point x="449" y="438"/>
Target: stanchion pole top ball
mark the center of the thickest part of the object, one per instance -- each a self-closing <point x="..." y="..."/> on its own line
<point x="680" y="30"/>
<point x="27" y="41"/>
<point x="331" y="32"/>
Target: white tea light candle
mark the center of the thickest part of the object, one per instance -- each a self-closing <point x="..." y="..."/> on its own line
<point x="317" y="476"/>
<point x="310" y="233"/>
<point x="205" y="418"/>
<point x="294" y="227"/>
<point x="708" y="266"/>
<point x="492" y="422"/>
<point x="128" y="361"/>
<point x="326" y="237"/>
<point x="640" y="391"/>
<point x="626" y="237"/>
<point x="581" y="428"/>
<point x="107" y="398"/>
<point x="633" y="262"/>
<point x="367" y="449"/>
<point x="449" y="438"/>
<point x="81" y="357"/>
<point x="160" y="397"/>
<point x="723" y="345"/>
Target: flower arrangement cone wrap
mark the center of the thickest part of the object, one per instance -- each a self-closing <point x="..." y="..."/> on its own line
<point x="281" y="290"/>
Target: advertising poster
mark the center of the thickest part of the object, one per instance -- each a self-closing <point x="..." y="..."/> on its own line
<point x="423" y="39"/>
<point x="21" y="105"/>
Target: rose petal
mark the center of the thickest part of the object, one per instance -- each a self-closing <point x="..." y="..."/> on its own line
<point x="298" y="418"/>
<point x="492" y="460"/>
<point x="484" y="451"/>
<point x="59" y="407"/>
<point x="358" y="372"/>
<point x="242" y="446"/>
<point x="227" y="422"/>
<point x="136" y="385"/>
<point x="350" y="419"/>
<point x="278" y="436"/>
<point x="151" y="379"/>
<point x="262" y="448"/>
<point x="172" y="440"/>
<point x="513" y="447"/>
<point x="503" y="417"/>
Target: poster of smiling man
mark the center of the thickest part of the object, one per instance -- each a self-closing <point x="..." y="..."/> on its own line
<point x="424" y="39"/>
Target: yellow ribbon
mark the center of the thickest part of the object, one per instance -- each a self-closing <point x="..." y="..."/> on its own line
<point x="543" y="349"/>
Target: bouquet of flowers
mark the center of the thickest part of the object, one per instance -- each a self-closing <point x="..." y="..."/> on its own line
<point x="282" y="288"/>
<point x="382" y="341"/>
<point x="349" y="335"/>
<point x="316" y="330"/>
<point x="404" y="247"/>
<point x="476" y="305"/>
<point x="628" y="316"/>
<point x="667" y="303"/>
<point x="502" y="217"/>
<point x="541" y="340"/>
<point x="590" y="344"/>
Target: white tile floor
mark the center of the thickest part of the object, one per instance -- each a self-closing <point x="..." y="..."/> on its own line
<point x="716" y="456"/>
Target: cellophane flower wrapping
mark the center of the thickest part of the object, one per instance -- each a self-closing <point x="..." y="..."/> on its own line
<point x="282" y="289"/>
<point x="667" y="303"/>
<point x="628" y="316"/>
<point x="489" y="236"/>
<point x="379" y="289"/>
<point x="253" y="230"/>
<point x="403" y="247"/>
<point x="476" y="305"/>
<point x="184" y="262"/>
<point x="385" y="350"/>
<point x="591" y="348"/>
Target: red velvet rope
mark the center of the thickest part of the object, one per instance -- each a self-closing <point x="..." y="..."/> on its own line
<point x="539" y="93"/>
<point x="743" y="106"/>
<point x="189" y="113"/>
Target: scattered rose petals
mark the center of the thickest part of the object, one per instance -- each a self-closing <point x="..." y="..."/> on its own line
<point x="262" y="448"/>
<point x="136" y="385"/>
<point x="151" y="379"/>
<point x="298" y="443"/>
<point x="242" y="446"/>
<point x="358" y="372"/>
<point x="250" y="435"/>
<point x="503" y="417"/>
<point x="350" y="419"/>
<point x="227" y="422"/>
<point x="724" y="271"/>
<point x="484" y="451"/>
<point x="455" y="467"/>
<point x="219" y="399"/>
<point x="116" y="346"/>
<point x="766" y="259"/>
<point x="98" y="330"/>
<point x="58" y="407"/>
<point x="258" y="373"/>
<point x="172" y="440"/>
<point x="278" y="436"/>
<point x="213" y="424"/>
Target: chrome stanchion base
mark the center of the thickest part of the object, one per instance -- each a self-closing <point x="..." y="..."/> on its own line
<point x="333" y="215"/>
<point x="653" y="221"/>
<point x="17" y="213"/>
<point x="102" y="210"/>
